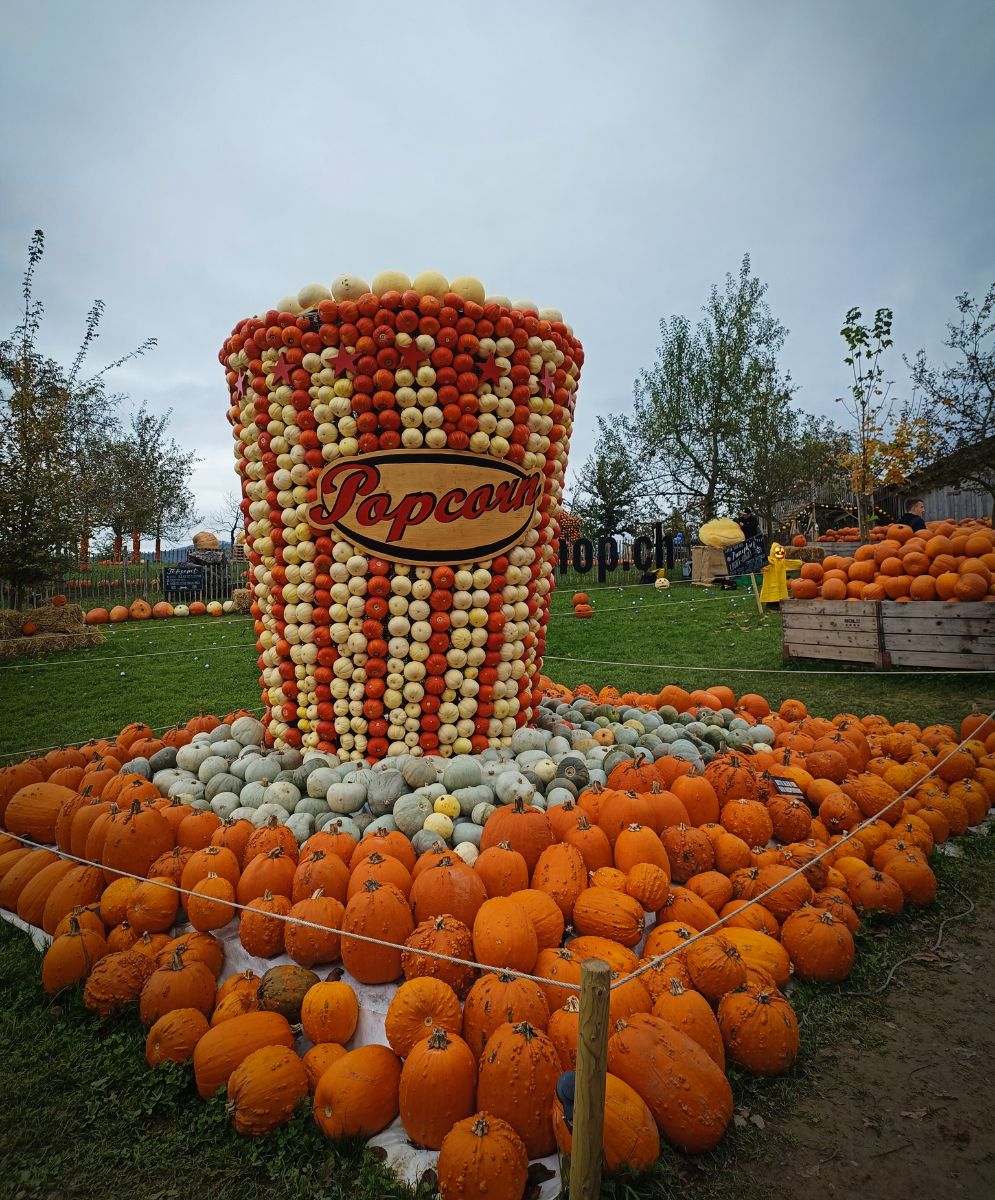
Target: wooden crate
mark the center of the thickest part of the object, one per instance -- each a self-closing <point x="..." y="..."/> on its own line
<point x="920" y="634"/>
<point x="933" y="634"/>
<point x="842" y="630"/>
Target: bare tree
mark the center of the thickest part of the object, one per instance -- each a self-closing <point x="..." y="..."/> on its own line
<point x="227" y="518"/>
<point x="961" y="395"/>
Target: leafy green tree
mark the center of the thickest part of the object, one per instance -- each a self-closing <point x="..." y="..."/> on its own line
<point x="961" y="397"/>
<point x="786" y="450"/>
<point x="166" y="505"/>
<point x="52" y="421"/>
<point x="147" y="483"/>
<point x="710" y="382"/>
<point x="610" y="494"/>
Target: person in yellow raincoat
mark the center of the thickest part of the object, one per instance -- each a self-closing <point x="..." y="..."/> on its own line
<point x="775" y="583"/>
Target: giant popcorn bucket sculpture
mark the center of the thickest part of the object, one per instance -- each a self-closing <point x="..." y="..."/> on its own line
<point x="402" y="450"/>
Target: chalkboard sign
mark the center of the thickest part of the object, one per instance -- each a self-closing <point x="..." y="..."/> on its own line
<point x="787" y="787"/>
<point x="182" y="579"/>
<point x="745" y="557"/>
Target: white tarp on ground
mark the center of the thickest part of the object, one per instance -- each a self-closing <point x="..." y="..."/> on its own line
<point x="408" y="1162"/>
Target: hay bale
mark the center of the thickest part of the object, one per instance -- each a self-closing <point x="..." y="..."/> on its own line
<point x="65" y="619"/>
<point x="48" y="643"/>
<point x="242" y="599"/>
<point x="10" y="623"/>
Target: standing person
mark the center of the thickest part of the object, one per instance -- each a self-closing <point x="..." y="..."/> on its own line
<point x="748" y="522"/>
<point x="914" y="515"/>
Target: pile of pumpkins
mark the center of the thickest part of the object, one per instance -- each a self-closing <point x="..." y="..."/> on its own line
<point x="847" y="533"/>
<point x="606" y="831"/>
<point x="943" y="562"/>
<point x="141" y="610"/>
<point x="583" y="609"/>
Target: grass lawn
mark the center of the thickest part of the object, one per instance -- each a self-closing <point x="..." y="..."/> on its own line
<point x="697" y="636"/>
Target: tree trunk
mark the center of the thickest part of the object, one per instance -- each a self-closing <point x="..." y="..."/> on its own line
<point x="118" y="547"/>
<point x="84" y="552"/>
<point x="136" y="546"/>
<point x="862" y="516"/>
<point x="158" y="549"/>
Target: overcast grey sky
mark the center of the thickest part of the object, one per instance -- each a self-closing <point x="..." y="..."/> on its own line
<point x="190" y="163"/>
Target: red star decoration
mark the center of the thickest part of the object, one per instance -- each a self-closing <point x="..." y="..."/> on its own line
<point x="411" y="356"/>
<point x="241" y="382"/>
<point x="281" y="370"/>
<point x="547" y="382"/>
<point x="344" y="361"/>
<point x="489" y="371"/>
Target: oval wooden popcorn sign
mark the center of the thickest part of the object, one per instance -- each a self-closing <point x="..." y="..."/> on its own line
<point x="427" y="508"/>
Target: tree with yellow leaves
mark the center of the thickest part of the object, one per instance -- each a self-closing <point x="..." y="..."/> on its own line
<point x="886" y="449"/>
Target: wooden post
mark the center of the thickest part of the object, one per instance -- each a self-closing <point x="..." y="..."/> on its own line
<point x="589" y="1095"/>
<point x="756" y="593"/>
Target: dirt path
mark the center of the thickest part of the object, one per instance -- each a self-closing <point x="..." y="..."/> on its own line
<point x="909" y="1111"/>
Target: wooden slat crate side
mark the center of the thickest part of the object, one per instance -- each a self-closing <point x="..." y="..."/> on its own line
<point x="830" y="608"/>
<point x="862" y="654"/>
<point x="832" y="637"/>
<point x="797" y="621"/>
<point x="939" y="660"/>
<point x="897" y="623"/>
<point x="934" y="608"/>
<point x="954" y="643"/>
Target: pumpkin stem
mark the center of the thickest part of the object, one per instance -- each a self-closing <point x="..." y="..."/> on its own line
<point x="572" y="1005"/>
<point x="317" y="894"/>
<point x="519" y="804"/>
<point x="525" y="1030"/>
<point x="375" y="858"/>
<point x="74" y="926"/>
<point x="371" y="885"/>
<point x="176" y="962"/>
<point x="504" y="846"/>
<point x="438" y="1039"/>
<point x="277" y="851"/>
<point x="480" y="1128"/>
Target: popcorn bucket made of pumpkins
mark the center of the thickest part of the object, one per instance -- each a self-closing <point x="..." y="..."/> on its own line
<point x="402" y="450"/>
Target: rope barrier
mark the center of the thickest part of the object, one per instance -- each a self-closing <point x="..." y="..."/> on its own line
<point x="289" y="920"/>
<point x="114" y="659"/>
<point x="106" y="738"/>
<point x="138" y="628"/>
<point x="638" y="608"/>
<point x="798" y="870"/>
<point x="604" y="662"/>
